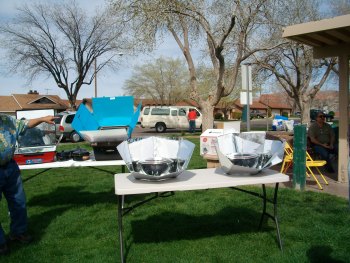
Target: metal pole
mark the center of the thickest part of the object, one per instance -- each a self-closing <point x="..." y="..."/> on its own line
<point x="267" y="111"/>
<point x="95" y="63"/>
<point x="120" y="227"/>
<point x="248" y="100"/>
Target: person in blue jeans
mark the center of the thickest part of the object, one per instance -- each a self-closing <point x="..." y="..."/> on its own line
<point x="10" y="178"/>
<point x="323" y="141"/>
<point x="192" y="116"/>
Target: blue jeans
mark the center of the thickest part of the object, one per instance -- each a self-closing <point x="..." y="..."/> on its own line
<point x="325" y="154"/>
<point x="12" y="188"/>
<point x="192" y="126"/>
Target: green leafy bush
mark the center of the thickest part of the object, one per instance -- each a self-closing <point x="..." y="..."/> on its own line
<point x="237" y="115"/>
<point x="218" y="116"/>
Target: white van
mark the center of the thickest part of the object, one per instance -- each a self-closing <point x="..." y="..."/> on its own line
<point x="168" y="117"/>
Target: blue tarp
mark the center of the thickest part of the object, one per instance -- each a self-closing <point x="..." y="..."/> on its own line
<point x="107" y="112"/>
<point x="279" y="117"/>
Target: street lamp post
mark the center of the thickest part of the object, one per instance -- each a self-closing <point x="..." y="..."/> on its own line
<point x="95" y="62"/>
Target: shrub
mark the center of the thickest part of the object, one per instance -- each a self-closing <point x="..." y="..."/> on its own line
<point x="237" y="115"/>
<point x="218" y="116"/>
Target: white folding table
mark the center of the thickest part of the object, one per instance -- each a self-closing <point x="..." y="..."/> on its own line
<point x="70" y="163"/>
<point x="199" y="179"/>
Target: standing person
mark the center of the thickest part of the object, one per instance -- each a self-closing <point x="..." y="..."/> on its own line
<point x="192" y="116"/>
<point x="10" y="178"/>
<point x="322" y="138"/>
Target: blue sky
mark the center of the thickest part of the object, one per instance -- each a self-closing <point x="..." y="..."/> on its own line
<point x="108" y="83"/>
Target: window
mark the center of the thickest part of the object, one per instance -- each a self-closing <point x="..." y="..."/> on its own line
<point x="70" y="118"/>
<point x="160" y="111"/>
<point x="146" y="111"/>
<point x="173" y="112"/>
<point x="182" y="112"/>
<point x="43" y="100"/>
<point x="58" y="120"/>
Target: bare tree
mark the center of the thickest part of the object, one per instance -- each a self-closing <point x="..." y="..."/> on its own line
<point x="336" y="8"/>
<point x="62" y="42"/>
<point x="164" y="80"/>
<point x="292" y="64"/>
<point x="228" y="30"/>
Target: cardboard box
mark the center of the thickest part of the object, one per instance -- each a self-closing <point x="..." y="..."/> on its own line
<point x="208" y="140"/>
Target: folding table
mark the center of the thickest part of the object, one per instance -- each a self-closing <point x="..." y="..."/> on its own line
<point x="70" y="163"/>
<point x="199" y="179"/>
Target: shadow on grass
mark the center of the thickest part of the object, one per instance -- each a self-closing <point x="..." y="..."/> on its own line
<point x="72" y="196"/>
<point x="61" y="200"/>
<point x="175" y="226"/>
<point x="321" y="254"/>
<point x="38" y="225"/>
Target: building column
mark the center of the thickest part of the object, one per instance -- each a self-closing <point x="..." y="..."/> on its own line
<point x="343" y="155"/>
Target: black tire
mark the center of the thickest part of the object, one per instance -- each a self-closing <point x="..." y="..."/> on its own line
<point x="75" y="137"/>
<point x="160" y="127"/>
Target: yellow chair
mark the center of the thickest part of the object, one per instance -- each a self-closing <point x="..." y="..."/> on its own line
<point x="310" y="163"/>
<point x="315" y="163"/>
<point x="288" y="158"/>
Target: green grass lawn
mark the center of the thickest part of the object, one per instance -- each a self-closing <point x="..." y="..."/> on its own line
<point x="73" y="218"/>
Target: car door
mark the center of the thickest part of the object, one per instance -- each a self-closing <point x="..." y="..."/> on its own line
<point x="172" y="120"/>
<point x="182" y="119"/>
<point x="199" y="119"/>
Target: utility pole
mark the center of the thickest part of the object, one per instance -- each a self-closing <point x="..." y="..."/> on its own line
<point x="95" y="77"/>
<point x="246" y="71"/>
<point x="95" y="72"/>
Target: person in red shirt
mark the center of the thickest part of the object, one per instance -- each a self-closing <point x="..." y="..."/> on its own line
<point x="192" y="116"/>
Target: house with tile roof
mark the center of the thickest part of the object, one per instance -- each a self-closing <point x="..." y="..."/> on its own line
<point x="277" y="103"/>
<point x="34" y="101"/>
<point x="327" y="100"/>
<point x="274" y="104"/>
<point x="233" y="110"/>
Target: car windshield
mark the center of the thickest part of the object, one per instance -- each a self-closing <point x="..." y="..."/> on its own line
<point x="58" y="120"/>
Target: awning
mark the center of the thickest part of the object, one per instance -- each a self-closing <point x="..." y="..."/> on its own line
<point x="331" y="38"/>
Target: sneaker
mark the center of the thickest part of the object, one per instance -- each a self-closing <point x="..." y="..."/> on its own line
<point x="22" y="238"/>
<point x="4" y="249"/>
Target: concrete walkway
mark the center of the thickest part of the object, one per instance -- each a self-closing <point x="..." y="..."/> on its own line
<point x="334" y="187"/>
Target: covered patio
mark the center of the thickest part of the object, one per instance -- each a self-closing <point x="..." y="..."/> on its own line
<point x="331" y="38"/>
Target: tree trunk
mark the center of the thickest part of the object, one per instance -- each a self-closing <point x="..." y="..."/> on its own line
<point x="72" y="102"/>
<point x="305" y="112"/>
<point x="207" y="118"/>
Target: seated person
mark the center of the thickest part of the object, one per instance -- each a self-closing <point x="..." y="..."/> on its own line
<point x="322" y="138"/>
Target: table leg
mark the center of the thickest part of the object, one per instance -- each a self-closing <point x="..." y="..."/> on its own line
<point x="264" y="206"/>
<point x="264" y="213"/>
<point x="274" y="216"/>
<point x="120" y="226"/>
<point x="27" y="179"/>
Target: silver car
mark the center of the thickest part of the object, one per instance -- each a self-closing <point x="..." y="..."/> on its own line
<point x="64" y="126"/>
